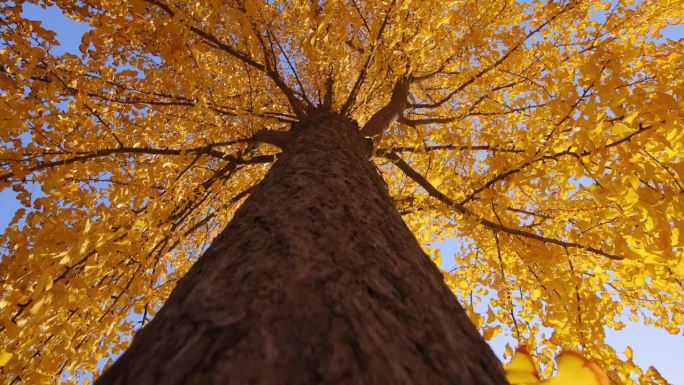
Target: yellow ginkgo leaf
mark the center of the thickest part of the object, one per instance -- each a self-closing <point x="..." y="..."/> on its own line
<point x="521" y="369"/>
<point x="5" y="357"/>
<point x="573" y="369"/>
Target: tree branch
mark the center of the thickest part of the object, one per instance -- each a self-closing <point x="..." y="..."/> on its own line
<point x="206" y="150"/>
<point x="362" y="74"/>
<point x="215" y="42"/>
<point x="297" y="105"/>
<point x="280" y="139"/>
<point x="381" y="120"/>
<point x="490" y="67"/>
<point x="461" y="209"/>
<point x="454" y="147"/>
<point x="554" y="156"/>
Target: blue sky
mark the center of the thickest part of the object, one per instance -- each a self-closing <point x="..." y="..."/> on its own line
<point x="651" y="346"/>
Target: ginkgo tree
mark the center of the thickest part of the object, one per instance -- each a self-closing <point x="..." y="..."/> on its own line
<point x="226" y="180"/>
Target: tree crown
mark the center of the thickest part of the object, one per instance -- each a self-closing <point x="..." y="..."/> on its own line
<point x="547" y="136"/>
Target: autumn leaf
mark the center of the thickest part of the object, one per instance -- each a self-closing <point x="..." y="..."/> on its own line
<point x="544" y="138"/>
<point x="5" y="357"/>
<point x="572" y="369"/>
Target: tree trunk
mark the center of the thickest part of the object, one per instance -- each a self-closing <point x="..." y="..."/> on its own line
<point x="316" y="280"/>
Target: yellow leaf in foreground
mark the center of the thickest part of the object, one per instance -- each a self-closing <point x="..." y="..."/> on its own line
<point x="5" y="357"/>
<point x="573" y="369"/>
<point x="521" y="369"/>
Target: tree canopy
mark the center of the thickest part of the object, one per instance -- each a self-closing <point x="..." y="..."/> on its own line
<point x="547" y="136"/>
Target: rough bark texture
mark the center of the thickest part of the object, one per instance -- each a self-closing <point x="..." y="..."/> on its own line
<point x="316" y="280"/>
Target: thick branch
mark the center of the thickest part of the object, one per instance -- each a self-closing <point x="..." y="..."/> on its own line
<point x="84" y="156"/>
<point x="461" y="209"/>
<point x="298" y="107"/>
<point x="389" y="113"/>
<point x="280" y="139"/>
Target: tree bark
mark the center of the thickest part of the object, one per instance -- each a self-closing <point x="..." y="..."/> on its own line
<point x="316" y="280"/>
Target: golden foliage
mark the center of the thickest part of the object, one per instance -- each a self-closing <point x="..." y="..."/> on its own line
<point x="572" y="369"/>
<point x="546" y="135"/>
